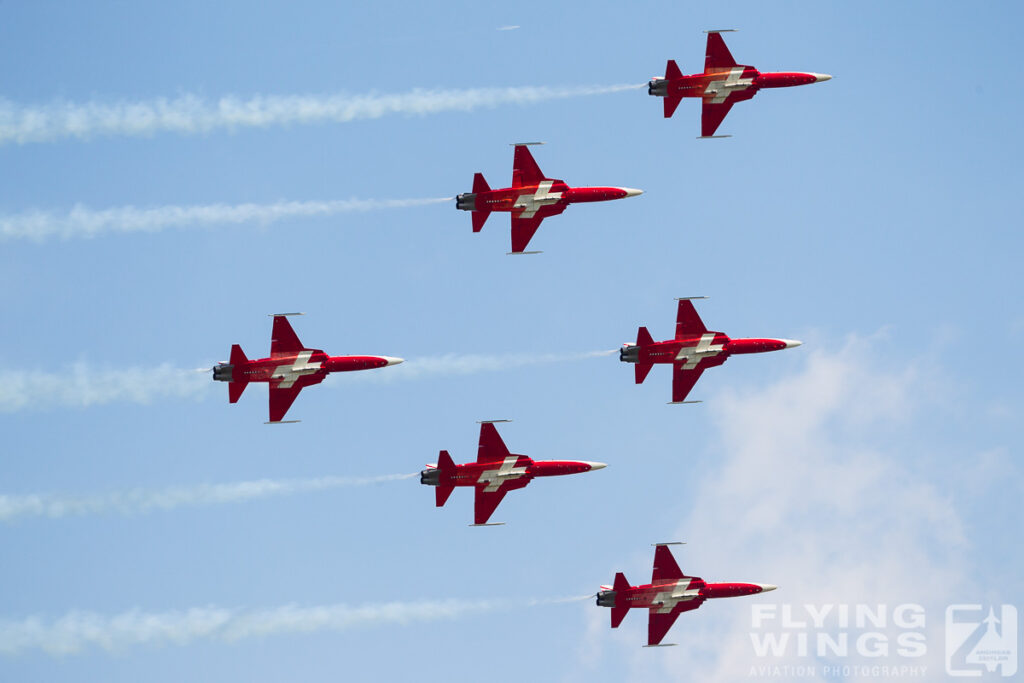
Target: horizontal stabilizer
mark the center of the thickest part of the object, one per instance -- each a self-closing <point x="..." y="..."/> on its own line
<point x="641" y="371"/>
<point x="672" y="71"/>
<point x="522" y="253"/>
<point x="620" y="583"/>
<point x="672" y="101"/>
<point x="662" y="645"/>
<point x="618" y="614"/>
<point x="643" y="337"/>
<point x="712" y="137"/>
<point x="281" y="422"/>
<point x="445" y="462"/>
<point x="479" y="218"/>
<point x="479" y="184"/>
<point x="441" y="494"/>
<point x="489" y="524"/>
<point x="237" y="355"/>
<point x="681" y="403"/>
<point x="235" y="390"/>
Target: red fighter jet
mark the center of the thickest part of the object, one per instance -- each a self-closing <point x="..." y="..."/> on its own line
<point x="669" y="594"/>
<point x="495" y="473"/>
<point x="692" y="351"/>
<point x="532" y="198"/>
<point x="723" y="84"/>
<point x="290" y="368"/>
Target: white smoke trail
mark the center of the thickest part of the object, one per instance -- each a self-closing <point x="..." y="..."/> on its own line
<point x="82" y="221"/>
<point x="83" y="386"/>
<point x="470" y="364"/>
<point x="22" y="124"/>
<point x="77" y="631"/>
<point x="137" y="501"/>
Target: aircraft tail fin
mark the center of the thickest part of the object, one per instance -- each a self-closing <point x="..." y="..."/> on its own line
<point x="445" y="462"/>
<point x="446" y="465"/>
<point x="237" y="355"/>
<point x="479" y="218"/>
<point x="643" y="337"/>
<point x="641" y="370"/>
<point x="237" y="359"/>
<point x="619" y="611"/>
<point x="672" y="70"/>
<point x="479" y="184"/>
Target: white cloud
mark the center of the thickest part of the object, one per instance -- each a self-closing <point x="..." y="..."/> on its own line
<point x="84" y="222"/>
<point x="823" y="485"/>
<point x="192" y="114"/>
<point x="138" y="501"/>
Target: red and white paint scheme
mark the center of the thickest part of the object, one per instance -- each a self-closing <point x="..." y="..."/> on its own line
<point x="532" y="198"/>
<point x="693" y="350"/>
<point x="723" y="84"/>
<point x="669" y="594"/>
<point x="290" y="368"/>
<point x="495" y="473"/>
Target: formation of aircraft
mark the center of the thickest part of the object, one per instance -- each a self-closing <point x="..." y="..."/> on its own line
<point x="495" y="473"/>
<point x="693" y="350"/>
<point x="723" y="84"/>
<point x="669" y="594"/>
<point x="289" y="369"/>
<point x="532" y="198"/>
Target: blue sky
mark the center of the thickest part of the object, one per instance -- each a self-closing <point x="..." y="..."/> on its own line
<point x="875" y="217"/>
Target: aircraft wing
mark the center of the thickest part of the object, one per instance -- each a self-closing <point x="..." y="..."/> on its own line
<point x="281" y="400"/>
<point x="283" y="340"/>
<point x="717" y="56"/>
<point x="491" y="448"/>
<point x="485" y="503"/>
<point x="524" y="227"/>
<point x="683" y="381"/>
<point x="525" y="170"/>
<point x="712" y="115"/>
<point x="660" y="622"/>
<point x="688" y="322"/>
<point x="665" y="567"/>
<point x="714" y="111"/>
<point x="523" y="230"/>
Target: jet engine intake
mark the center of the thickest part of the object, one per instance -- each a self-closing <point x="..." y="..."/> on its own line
<point x="466" y="201"/>
<point x="223" y="372"/>
<point x="431" y="477"/>
<point x="657" y="87"/>
<point x="606" y="599"/>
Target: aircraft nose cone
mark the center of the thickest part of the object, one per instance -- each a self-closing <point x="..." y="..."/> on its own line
<point x="818" y="78"/>
<point x="596" y="465"/>
<point x="393" y="361"/>
<point x="630" y="192"/>
<point x="765" y="587"/>
<point x="791" y="343"/>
